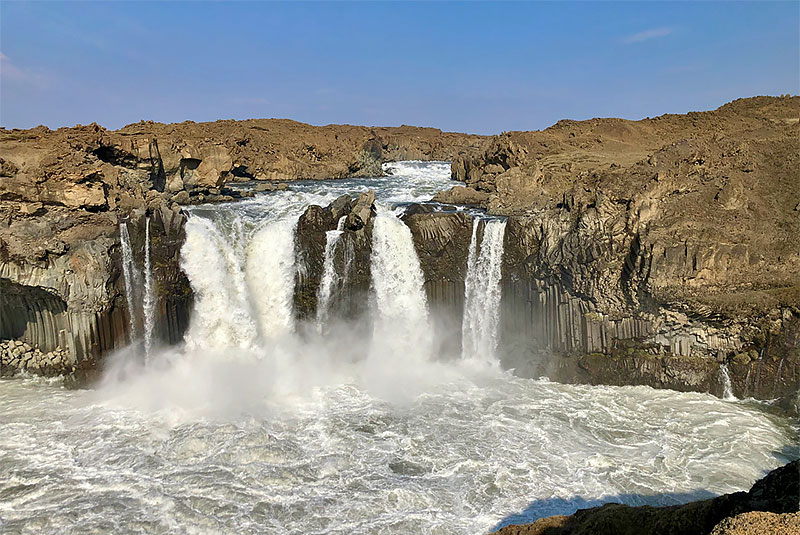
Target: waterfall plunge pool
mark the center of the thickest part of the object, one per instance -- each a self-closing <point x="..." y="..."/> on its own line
<point x="252" y="429"/>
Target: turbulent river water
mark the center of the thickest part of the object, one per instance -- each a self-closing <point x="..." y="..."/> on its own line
<point x="252" y="428"/>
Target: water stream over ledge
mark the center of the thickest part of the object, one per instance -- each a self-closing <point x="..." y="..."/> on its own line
<point x="252" y="428"/>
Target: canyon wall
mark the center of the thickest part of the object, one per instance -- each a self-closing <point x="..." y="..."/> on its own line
<point x="64" y="195"/>
<point x="635" y="252"/>
<point x="658" y="248"/>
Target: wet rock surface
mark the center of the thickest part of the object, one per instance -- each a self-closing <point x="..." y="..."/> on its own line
<point x="351" y="259"/>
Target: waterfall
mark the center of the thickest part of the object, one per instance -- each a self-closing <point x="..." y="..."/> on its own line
<point x="270" y="272"/>
<point x="149" y="294"/>
<point x="402" y="331"/>
<point x="778" y="374"/>
<point x="244" y="286"/>
<point x="213" y="259"/>
<point x="128" y="273"/>
<point x="727" y="388"/>
<point x="482" y="291"/>
<point x="330" y="278"/>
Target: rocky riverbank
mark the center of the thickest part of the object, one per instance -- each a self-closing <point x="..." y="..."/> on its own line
<point x="66" y="194"/>
<point x="770" y="507"/>
<point x="653" y="251"/>
<point x="663" y="252"/>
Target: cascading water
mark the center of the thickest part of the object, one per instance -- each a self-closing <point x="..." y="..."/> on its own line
<point x="270" y="274"/>
<point x="128" y="273"/>
<point x="250" y="445"/>
<point x="727" y="387"/>
<point x="401" y="323"/>
<point x="149" y="294"/>
<point x="330" y="278"/>
<point x="482" y="292"/>
<point x="213" y="260"/>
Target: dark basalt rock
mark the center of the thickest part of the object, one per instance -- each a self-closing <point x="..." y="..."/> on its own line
<point x="778" y="492"/>
<point x="352" y="255"/>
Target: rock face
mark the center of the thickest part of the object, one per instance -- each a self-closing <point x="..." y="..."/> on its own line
<point x="777" y="493"/>
<point x="61" y="285"/>
<point x="64" y="194"/>
<point x="351" y="256"/>
<point x="670" y="245"/>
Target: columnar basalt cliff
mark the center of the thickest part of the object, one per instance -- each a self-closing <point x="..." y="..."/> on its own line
<point x="635" y="252"/>
<point x="653" y="251"/>
<point x="64" y="195"/>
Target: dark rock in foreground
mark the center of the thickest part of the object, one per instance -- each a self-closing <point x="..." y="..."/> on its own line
<point x="778" y="492"/>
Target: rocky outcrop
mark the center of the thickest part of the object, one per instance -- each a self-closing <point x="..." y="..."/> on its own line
<point x="463" y="195"/>
<point x="351" y="256"/>
<point x="669" y="245"/>
<point x="778" y="493"/>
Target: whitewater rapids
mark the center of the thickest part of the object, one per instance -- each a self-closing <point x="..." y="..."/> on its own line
<point x="251" y="429"/>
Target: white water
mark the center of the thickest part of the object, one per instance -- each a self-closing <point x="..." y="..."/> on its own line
<point x="344" y="434"/>
<point x="482" y="292"/>
<point x="149" y="295"/>
<point x="330" y="278"/>
<point x="213" y="261"/>
<point x="727" y="388"/>
<point x="128" y="273"/>
<point x="402" y="328"/>
<point x="206" y="448"/>
<point x="270" y="273"/>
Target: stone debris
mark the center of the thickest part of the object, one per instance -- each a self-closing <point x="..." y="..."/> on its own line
<point x="17" y="356"/>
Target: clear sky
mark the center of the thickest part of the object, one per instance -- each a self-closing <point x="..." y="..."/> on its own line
<point x="470" y="67"/>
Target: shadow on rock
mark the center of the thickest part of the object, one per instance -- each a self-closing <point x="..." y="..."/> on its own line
<point x="777" y="492"/>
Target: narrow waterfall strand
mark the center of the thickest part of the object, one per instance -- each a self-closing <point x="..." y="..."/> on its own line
<point x="482" y="292"/>
<point x="149" y="294"/>
<point x="128" y="270"/>
<point x="727" y="388"/>
<point x="330" y="278"/>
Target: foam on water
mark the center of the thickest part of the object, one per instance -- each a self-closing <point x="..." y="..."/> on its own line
<point x="476" y="451"/>
<point x="252" y="429"/>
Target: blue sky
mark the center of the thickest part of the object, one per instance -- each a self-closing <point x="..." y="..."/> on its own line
<point x="472" y="67"/>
